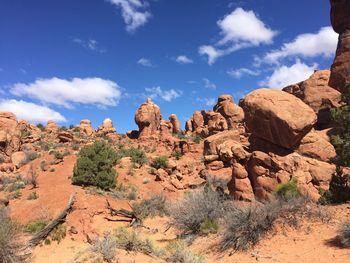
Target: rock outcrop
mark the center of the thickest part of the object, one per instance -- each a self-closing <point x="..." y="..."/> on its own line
<point x="51" y="127"/>
<point x="148" y="117"/>
<point x="340" y="19"/>
<point x="106" y="127"/>
<point x="175" y="123"/>
<point x="86" y="128"/>
<point x="226" y="115"/>
<point x="277" y="117"/>
<point x="316" y="93"/>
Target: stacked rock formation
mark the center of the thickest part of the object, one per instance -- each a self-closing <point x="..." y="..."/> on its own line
<point x="175" y="123"/>
<point x="52" y="127"/>
<point x="106" y="127"/>
<point x="148" y="118"/>
<point x="340" y="76"/>
<point x="226" y="115"/>
<point x="86" y="128"/>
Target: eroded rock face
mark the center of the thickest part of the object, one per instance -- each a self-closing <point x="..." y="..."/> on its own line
<point x="340" y="76"/>
<point x="212" y="142"/>
<point x="316" y="93"/>
<point x="148" y="117"/>
<point x="8" y="122"/>
<point x="175" y="122"/>
<point x="229" y="110"/>
<point x="277" y="117"/>
<point x="86" y="128"/>
<point x="340" y="19"/>
<point x="51" y="127"/>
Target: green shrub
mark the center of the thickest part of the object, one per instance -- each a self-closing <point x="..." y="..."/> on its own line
<point x="40" y="126"/>
<point x="160" y="162"/>
<point x="177" y="155"/>
<point x="58" y="233"/>
<point x="340" y="185"/>
<point x="288" y="190"/>
<point x="197" y="138"/>
<point x="35" y="226"/>
<point x="9" y="236"/>
<point x="95" y="166"/>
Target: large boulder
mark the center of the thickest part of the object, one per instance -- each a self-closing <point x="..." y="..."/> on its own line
<point x="316" y="93"/>
<point x="8" y="122"/>
<point x="212" y="142"/>
<point x="18" y="158"/>
<point x="277" y="117"/>
<point x="148" y="117"/>
<point x="229" y="110"/>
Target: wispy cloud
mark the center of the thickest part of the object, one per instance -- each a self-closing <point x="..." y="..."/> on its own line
<point x="31" y="112"/>
<point x="208" y="84"/>
<point x="239" y="29"/>
<point x="165" y="95"/>
<point x="90" y="44"/>
<point x="183" y="60"/>
<point x="145" y="62"/>
<point x="66" y="93"/>
<point x="135" y="13"/>
<point x="210" y="102"/>
<point x="239" y="73"/>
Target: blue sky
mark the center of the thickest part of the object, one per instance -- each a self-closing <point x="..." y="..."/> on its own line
<point x="69" y="60"/>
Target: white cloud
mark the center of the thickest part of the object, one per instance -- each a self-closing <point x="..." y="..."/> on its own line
<point x="134" y="12"/>
<point x="31" y="112"/>
<point x="208" y="84"/>
<point x="322" y="43"/>
<point x="166" y="95"/>
<point x="239" y="73"/>
<point x="90" y="44"/>
<point x="66" y="93"/>
<point x="239" y="29"/>
<point x="183" y="60"/>
<point x="284" y="75"/>
<point x="144" y="62"/>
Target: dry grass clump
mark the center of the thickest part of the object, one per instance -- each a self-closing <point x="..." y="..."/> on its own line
<point x="9" y="233"/>
<point x="106" y="247"/>
<point x="197" y="211"/>
<point x="177" y="252"/>
<point x="151" y="207"/>
<point x="344" y="234"/>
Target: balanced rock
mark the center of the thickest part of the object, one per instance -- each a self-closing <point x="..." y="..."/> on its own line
<point x="148" y="117"/>
<point x="277" y="117"/>
<point x="316" y="93"/>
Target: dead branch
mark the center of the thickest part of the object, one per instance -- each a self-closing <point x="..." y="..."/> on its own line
<point x="130" y="215"/>
<point x="34" y="241"/>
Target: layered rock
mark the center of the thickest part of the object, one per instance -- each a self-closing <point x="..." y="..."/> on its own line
<point x="277" y="117"/>
<point x="340" y="19"/>
<point x="86" y="128"/>
<point x="148" y="117"/>
<point x="229" y="110"/>
<point x="316" y="93"/>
